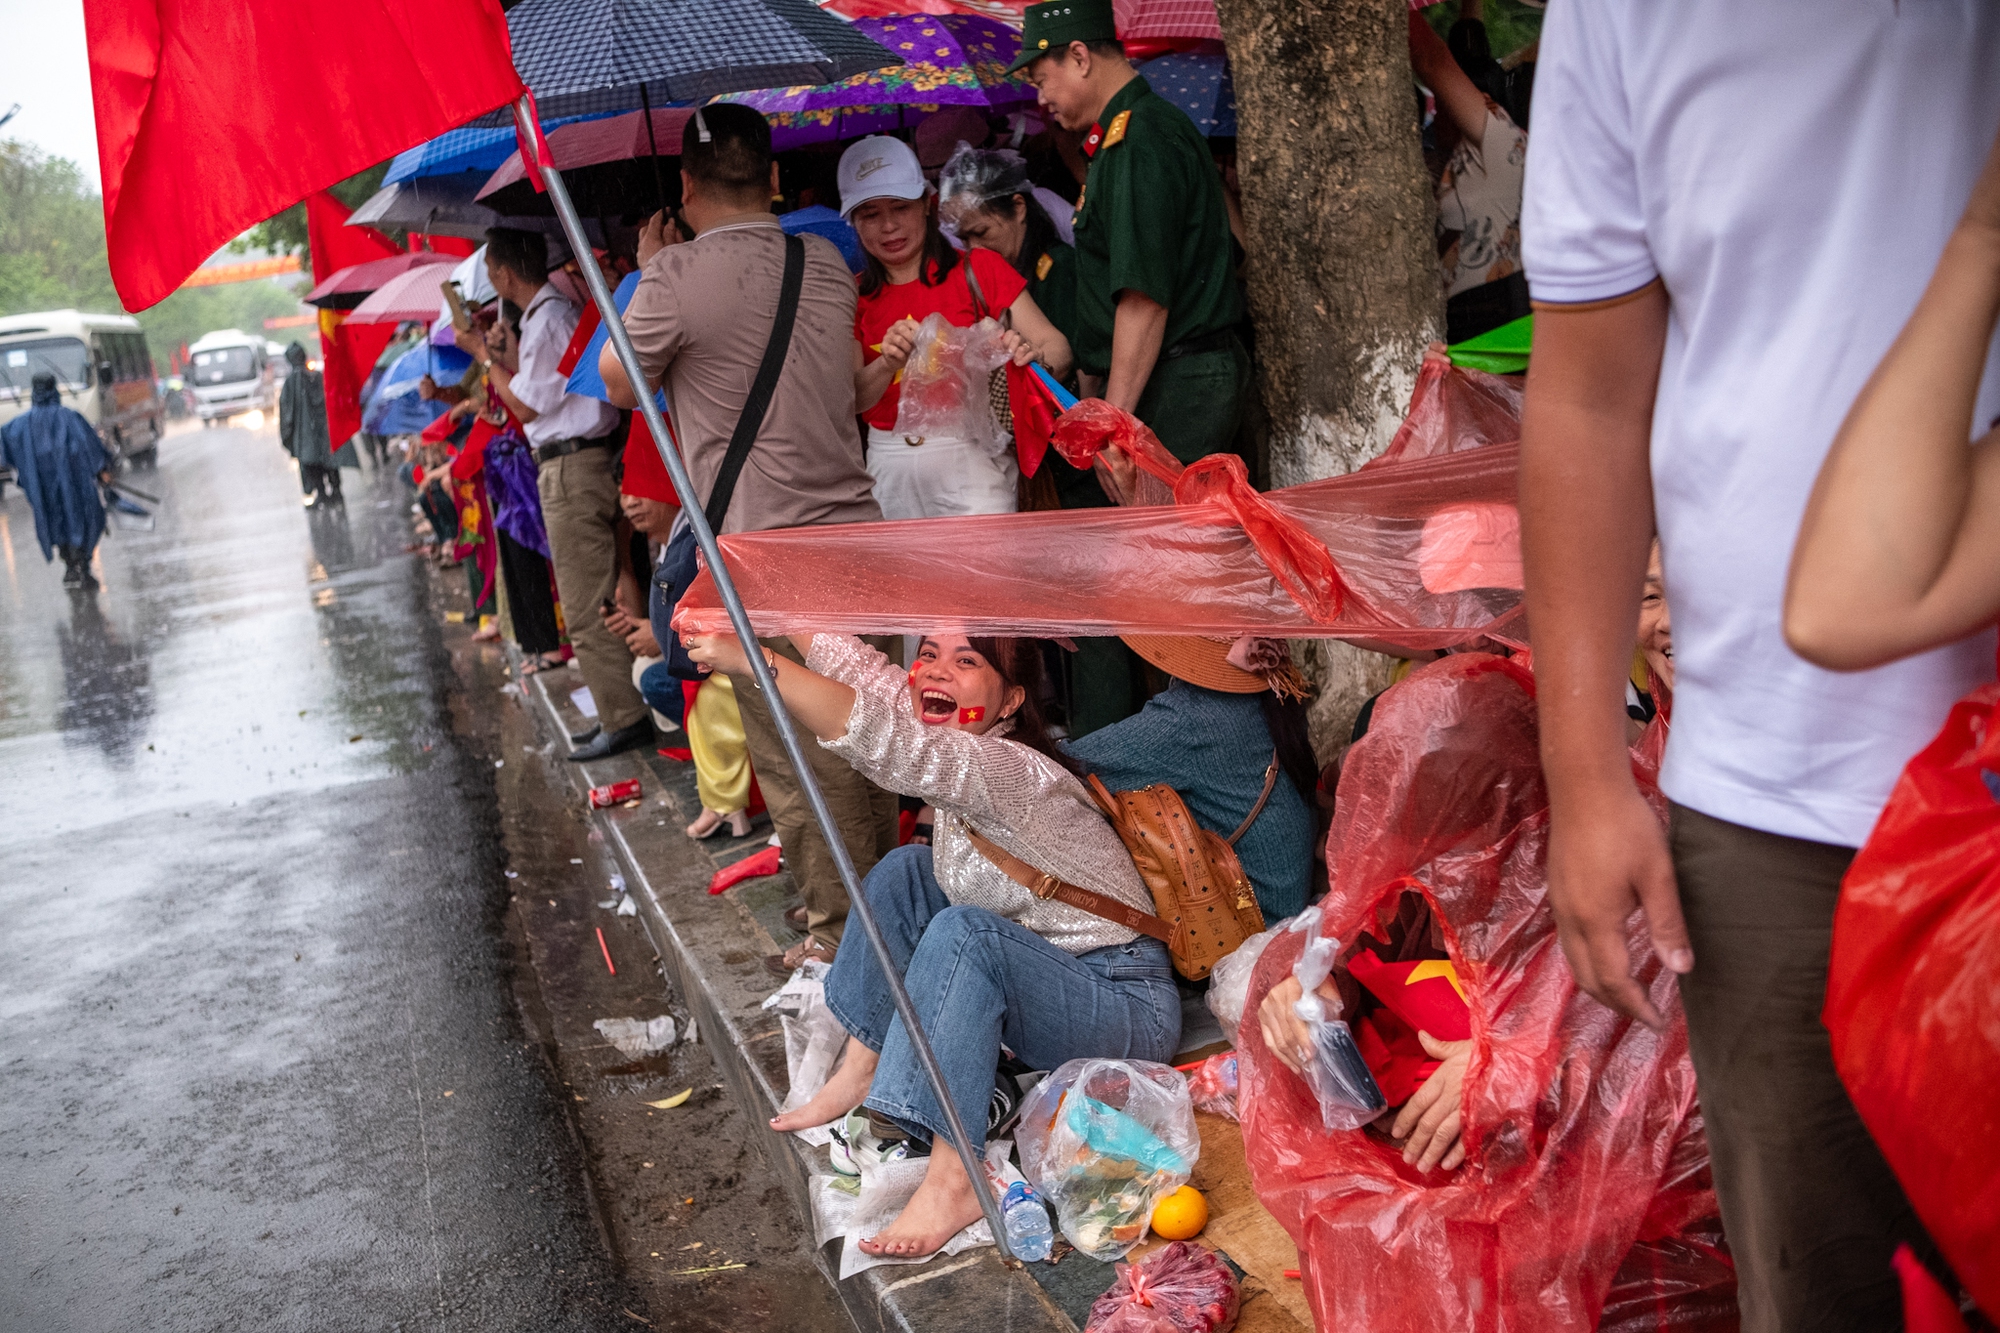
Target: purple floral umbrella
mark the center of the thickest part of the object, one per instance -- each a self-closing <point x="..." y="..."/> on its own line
<point x="949" y="60"/>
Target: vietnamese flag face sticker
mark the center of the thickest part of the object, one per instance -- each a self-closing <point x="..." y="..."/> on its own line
<point x="973" y="714"/>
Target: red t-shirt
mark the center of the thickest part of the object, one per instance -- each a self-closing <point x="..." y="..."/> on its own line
<point x="952" y="298"/>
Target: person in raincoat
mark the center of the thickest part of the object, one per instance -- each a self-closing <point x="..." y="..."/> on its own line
<point x="302" y="430"/>
<point x="58" y="462"/>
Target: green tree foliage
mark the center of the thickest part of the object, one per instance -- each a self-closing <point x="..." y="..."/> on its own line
<point x="52" y="256"/>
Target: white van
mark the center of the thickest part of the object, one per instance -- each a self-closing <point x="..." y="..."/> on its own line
<point x="102" y="368"/>
<point x="230" y="371"/>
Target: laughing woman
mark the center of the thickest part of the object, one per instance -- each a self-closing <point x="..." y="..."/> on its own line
<point x="984" y="958"/>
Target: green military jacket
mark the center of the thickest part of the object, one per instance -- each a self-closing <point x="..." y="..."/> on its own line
<point x="1151" y="220"/>
<point x="1052" y="283"/>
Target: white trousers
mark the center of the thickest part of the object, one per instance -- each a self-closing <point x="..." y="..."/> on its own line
<point x="938" y="478"/>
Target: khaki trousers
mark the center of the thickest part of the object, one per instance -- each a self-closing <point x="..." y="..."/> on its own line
<point x="863" y="812"/>
<point x="1811" y="1210"/>
<point x="580" y="510"/>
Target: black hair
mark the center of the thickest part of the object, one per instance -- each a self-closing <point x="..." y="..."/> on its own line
<point x="1019" y="662"/>
<point x="1285" y="719"/>
<point x="939" y="259"/>
<point x="525" y="254"/>
<point x="1040" y="236"/>
<point x="737" y="157"/>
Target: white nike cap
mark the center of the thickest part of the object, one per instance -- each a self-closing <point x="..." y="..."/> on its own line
<point x="879" y="167"/>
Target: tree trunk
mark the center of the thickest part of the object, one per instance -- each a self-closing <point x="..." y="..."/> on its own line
<point x="1343" y="272"/>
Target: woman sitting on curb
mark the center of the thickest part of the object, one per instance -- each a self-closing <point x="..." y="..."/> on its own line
<point x="985" y="959"/>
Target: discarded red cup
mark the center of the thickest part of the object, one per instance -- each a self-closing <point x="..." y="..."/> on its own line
<point x="601" y="797"/>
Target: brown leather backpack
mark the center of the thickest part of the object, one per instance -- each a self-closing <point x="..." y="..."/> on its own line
<point x="1205" y="903"/>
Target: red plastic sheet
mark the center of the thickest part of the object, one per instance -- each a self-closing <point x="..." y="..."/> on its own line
<point x="1913" y="994"/>
<point x="1192" y="568"/>
<point x="1585" y="1191"/>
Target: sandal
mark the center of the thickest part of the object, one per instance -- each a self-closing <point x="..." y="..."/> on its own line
<point x="812" y="949"/>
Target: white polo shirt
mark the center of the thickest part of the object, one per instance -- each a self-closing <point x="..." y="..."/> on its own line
<point x="546" y="327"/>
<point x="1790" y="169"/>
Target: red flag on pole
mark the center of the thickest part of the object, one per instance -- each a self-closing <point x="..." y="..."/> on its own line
<point x="348" y="353"/>
<point x="213" y="115"/>
<point x="333" y="244"/>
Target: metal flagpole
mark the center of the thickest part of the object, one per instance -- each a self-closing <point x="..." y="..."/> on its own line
<point x="691" y="508"/>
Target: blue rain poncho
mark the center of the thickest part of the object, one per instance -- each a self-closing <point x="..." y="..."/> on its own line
<point x="56" y="457"/>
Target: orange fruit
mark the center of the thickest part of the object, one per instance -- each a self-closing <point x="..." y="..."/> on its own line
<point x="1181" y="1215"/>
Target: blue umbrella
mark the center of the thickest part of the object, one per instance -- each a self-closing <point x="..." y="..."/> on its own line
<point x="585" y="56"/>
<point x="585" y="379"/>
<point x="1199" y="85"/>
<point x="464" y="149"/>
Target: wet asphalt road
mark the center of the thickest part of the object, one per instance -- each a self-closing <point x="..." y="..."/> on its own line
<point x="261" y="1067"/>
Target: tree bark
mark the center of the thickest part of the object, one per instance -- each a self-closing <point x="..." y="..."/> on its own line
<point x="1343" y="273"/>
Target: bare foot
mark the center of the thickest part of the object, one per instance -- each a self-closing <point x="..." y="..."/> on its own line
<point x="944" y="1205"/>
<point x="847" y="1089"/>
<point x="707" y="823"/>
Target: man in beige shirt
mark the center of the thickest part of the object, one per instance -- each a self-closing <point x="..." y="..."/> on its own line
<point x="700" y="320"/>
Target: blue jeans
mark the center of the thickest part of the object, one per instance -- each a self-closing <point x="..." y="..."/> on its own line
<point x="978" y="980"/>
<point x="661" y="690"/>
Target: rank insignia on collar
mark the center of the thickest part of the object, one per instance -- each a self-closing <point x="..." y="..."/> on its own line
<point x="1115" y="132"/>
<point x="1093" y="140"/>
<point x="1042" y="267"/>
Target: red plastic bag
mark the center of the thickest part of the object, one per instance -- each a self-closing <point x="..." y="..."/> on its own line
<point x="1179" y="1289"/>
<point x="1585" y="1190"/>
<point x="1365" y="556"/>
<point x="1913" y="990"/>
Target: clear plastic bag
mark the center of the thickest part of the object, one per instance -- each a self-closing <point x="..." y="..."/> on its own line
<point x="1104" y="1141"/>
<point x="1585" y="1196"/>
<point x="1182" y="1288"/>
<point x="1229" y="982"/>
<point x="1338" y="1076"/>
<point x="946" y="386"/>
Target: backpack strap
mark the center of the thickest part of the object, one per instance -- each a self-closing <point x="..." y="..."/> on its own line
<point x="1270" y="781"/>
<point x="1046" y="887"/>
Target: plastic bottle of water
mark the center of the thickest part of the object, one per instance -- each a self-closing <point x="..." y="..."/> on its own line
<point x="1029" y="1235"/>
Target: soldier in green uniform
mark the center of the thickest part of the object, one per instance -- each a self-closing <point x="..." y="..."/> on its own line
<point x="1156" y="299"/>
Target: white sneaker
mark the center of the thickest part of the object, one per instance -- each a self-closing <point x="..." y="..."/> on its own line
<point x="853" y="1146"/>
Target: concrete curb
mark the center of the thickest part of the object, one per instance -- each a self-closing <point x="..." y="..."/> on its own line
<point x="714" y="949"/>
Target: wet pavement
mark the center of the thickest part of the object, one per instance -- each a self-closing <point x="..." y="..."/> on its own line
<point x="261" y="990"/>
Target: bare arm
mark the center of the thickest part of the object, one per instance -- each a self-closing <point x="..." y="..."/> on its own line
<point x="1457" y="95"/>
<point x="1138" y="330"/>
<point x="1586" y="528"/>
<point x="1900" y="550"/>
<point x="616" y="387"/>
<point x="873" y="378"/>
<point x="823" y="705"/>
<point x="1038" y="338"/>
<point x="502" y="382"/>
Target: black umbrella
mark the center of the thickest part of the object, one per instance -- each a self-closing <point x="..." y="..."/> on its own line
<point x="584" y="56"/>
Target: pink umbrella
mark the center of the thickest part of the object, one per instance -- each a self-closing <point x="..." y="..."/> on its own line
<point x="411" y="295"/>
<point x="1155" y="20"/>
<point x="345" y="288"/>
<point x="586" y="143"/>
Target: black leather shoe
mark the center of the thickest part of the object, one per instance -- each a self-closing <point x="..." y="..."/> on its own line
<point x="586" y="736"/>
<point x="609" y="743"/>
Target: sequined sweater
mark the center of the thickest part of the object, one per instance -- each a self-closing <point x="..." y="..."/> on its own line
<point x="1020" y="799"/>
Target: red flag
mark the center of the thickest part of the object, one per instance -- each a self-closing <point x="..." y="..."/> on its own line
<point x="333" y="244"/>
<point x="213" y="115"/>
<point x="348" y="354"/>
<point x="456" y="246"/>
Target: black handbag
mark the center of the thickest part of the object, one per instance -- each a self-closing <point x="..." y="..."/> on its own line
<point x="678" y="565"/>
